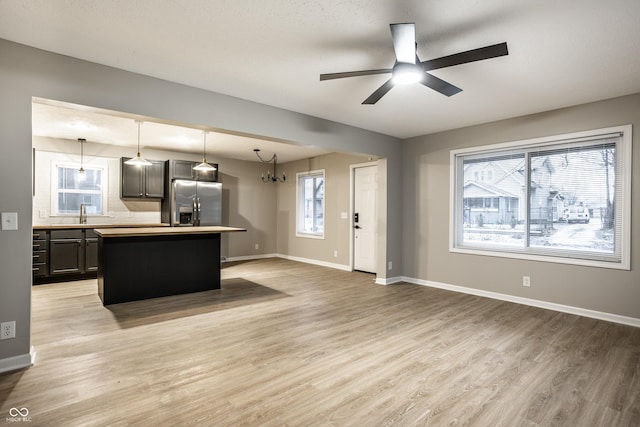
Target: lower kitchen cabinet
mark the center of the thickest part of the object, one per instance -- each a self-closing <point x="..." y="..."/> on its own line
<point x="40" y="264"/>
<point x="64" y="254"/>
<point x="90" y="251"/>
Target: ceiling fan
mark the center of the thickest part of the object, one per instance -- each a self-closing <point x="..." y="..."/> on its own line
<point x="408" y="68"/>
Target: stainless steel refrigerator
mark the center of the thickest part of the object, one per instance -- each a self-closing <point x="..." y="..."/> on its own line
<point x="194" y="203"/>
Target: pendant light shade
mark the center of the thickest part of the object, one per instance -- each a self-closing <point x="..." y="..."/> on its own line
<point x="138" y="160"/>
<point x="204" y="166"/>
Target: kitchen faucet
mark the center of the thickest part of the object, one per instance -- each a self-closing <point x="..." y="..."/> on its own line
<point x="83" y="214"/>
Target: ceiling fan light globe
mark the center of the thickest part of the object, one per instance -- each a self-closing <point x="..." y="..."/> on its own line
<point x="406" y="73"/>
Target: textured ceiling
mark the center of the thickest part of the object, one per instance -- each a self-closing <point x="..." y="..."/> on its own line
<point x="561" y="53"/>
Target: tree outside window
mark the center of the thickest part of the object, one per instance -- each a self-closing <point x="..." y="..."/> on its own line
<point x="310" y="212"/>
<point x="557" y="198"/>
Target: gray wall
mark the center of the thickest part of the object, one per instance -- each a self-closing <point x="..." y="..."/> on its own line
<point x="337" y="192"/>
<point x="26" y="72"/>
<point x="426" y="215"/>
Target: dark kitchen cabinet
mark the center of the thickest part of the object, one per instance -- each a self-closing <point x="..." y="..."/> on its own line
<point x="183" y="169"/>
<point x="90" y="251"/>
<point x="64" y="254"/>
<point x="142" y="182"/>
<point x="40" y="264"/>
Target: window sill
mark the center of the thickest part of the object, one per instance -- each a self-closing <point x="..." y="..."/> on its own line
<point x="310" y="236"/>
<point x="623" y="265"/>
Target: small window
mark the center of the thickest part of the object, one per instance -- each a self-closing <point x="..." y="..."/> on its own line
<point x="559" y="199"/>
<point x="72" y="189"/>
<point x="310" y="201"/>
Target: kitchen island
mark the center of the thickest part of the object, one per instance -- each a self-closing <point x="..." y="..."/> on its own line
<point x="141" y="263"/>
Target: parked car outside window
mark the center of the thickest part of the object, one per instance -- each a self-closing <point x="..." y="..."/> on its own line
<point x="578" y="214"/>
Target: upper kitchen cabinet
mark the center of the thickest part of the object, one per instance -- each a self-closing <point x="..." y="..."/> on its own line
<point x="183" y="169"/>
<point x="142" y="182"/>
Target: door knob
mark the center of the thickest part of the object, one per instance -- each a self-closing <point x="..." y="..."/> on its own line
<point x="357" y="227"/>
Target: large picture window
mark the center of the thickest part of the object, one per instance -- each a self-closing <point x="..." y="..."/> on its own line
<point x="560" y="199"/>
<point x="72" y="189"/>
<point x="310" y="202"/>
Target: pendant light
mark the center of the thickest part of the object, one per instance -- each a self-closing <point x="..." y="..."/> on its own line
<point x="274" y="160"/>
<point x="138" y="160"/>
<point x="81" y="141"/>
<point x="204" y="166"/>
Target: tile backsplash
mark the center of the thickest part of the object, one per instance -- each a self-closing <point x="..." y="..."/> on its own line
<point x="117" y="211"/>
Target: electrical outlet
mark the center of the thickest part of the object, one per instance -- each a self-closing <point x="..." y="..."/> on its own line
<point x="7" y="330"/>
<point x="526" y="281"/>
<point x="335" y="254"/>
<point x="390" y="265"/>
<point x="257" y="246"/>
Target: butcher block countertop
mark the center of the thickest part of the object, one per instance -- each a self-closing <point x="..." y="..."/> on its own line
<point x="164" y="231"/>
<point x="90" y="226"/>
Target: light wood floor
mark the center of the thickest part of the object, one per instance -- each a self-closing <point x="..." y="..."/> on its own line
<point x="285" y="343"/>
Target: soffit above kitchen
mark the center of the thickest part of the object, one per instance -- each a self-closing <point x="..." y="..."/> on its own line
<point x="53" y="119"/>
<point x="561" y="53"/>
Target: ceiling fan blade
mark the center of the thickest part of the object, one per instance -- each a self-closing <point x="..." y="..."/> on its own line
<point x="439" y="85"/>
<point x="473" y="55"/>
<point x="379" y="93"/>
<point x="404" y="42"/>
<point x="331" y="76"/>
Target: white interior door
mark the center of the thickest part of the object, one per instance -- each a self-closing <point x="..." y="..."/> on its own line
<point x="364" y="218"/>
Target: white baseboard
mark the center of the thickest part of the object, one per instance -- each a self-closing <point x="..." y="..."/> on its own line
<point x="616" y="318"/>
<point x="389" y="280"/>
<point x="291" y="258"/>
<point x="18" y="362"/>
<point x="316" y="262"/>
<point x="248" y="257"/>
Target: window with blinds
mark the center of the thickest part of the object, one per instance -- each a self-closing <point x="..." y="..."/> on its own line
<point x="560" y="199"/>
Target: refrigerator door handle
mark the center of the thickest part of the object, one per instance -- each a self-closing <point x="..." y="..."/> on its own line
<point x="194" y="216"/>
<point x="199" y="210"/>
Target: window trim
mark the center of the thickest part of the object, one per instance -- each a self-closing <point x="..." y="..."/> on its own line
<point x="624" y="163"/>
<point x="300" y="207"/>
<point x="95" y="165"/>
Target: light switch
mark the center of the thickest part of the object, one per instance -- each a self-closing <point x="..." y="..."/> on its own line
<point x="9" y="220"/>
<point x="344" y="215"/>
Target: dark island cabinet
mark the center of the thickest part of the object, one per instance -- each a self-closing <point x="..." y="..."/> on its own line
<point x="142" y="182"/>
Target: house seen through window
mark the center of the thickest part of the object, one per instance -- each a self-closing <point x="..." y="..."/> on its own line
<point x="564" y="198"/>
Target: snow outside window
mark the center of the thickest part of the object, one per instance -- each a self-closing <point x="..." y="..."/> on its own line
<point x="559" y="199"/>
<point x="310" y="204"/>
